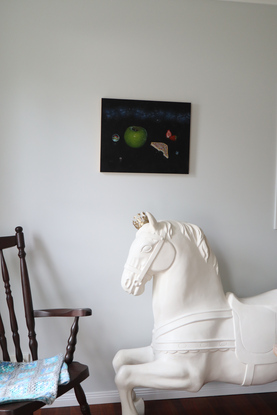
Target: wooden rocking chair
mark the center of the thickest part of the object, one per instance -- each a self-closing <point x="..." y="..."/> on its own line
<point x="77" y="371"/>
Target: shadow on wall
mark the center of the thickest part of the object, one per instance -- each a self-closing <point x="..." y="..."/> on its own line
<point x="49" y="291"/>
<point x="44" y="277"/>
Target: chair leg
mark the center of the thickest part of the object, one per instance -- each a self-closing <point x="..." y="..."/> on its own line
<point x="81" y="398"/>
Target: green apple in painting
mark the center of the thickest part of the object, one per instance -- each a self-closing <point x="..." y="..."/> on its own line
<point x="135" y="137"/>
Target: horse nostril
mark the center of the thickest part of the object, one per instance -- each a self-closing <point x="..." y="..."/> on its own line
<point x="128" y="283"/>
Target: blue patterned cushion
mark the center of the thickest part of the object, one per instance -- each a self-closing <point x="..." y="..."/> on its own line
<point x="36" y="381"/>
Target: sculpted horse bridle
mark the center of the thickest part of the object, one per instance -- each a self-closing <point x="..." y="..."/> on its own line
<point x="145" y="271"/>
<point x="141" y="273"/>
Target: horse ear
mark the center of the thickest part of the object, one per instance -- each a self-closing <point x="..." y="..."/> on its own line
<point x="152" y="220"/>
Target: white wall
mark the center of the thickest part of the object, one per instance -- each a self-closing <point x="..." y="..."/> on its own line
<point x="58" y="59"/>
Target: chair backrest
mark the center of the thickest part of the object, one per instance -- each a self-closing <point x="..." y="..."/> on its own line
<point x="17" y="241"/>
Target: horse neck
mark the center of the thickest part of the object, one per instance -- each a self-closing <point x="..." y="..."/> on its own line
<point x="190" y="285"/>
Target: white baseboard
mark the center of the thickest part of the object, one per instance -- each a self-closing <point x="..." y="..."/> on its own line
<point x="211" y="389"/>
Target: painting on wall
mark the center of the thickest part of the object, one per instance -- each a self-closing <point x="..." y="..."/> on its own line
<point x="145" y="136"/>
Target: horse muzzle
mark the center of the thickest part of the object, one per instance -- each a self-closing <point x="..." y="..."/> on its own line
<point x="132" y="281"/>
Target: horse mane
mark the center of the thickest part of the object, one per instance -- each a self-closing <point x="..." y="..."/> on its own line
<point x="194" y="234"/>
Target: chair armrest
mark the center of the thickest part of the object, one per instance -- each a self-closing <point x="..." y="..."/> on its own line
<point x="63" y="312"/>
<point x="67" y="312"/>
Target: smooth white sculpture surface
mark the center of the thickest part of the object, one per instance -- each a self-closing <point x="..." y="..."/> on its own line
<point x="200" y="334"/>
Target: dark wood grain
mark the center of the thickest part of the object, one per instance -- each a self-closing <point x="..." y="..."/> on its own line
<point x="248" y="404"/>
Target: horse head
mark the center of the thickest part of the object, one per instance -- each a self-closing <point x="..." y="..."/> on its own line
<point x="150" y="253"/>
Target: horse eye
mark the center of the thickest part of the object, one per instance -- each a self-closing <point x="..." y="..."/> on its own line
<point x="146" y="248"/>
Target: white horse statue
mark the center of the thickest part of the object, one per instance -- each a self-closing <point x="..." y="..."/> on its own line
<point x="200" y="334"/>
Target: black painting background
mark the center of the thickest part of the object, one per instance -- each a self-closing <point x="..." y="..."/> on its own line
<point x="156" y="117"/>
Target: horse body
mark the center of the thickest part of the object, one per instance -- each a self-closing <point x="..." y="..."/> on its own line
<point x="195" y="336"/>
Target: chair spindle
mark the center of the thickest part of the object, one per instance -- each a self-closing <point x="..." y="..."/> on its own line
<point x="3" y="342"/>
<point x="9" y="299"/>
<point x="27" y="296"/>
<point x="72" y="340"/>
